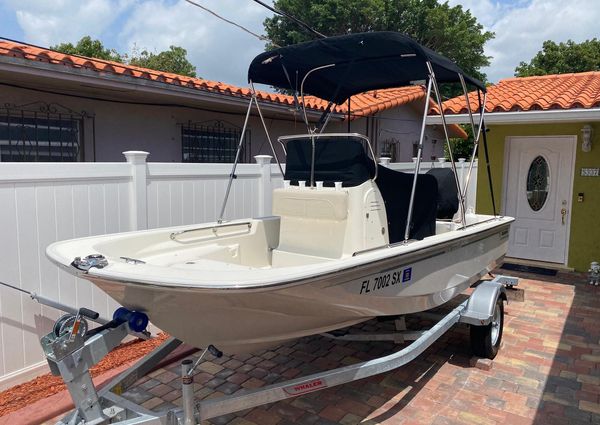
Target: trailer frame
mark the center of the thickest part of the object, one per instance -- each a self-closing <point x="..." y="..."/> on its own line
<point x="72" y="357"/>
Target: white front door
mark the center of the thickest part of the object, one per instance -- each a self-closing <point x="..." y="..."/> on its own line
<point x="538" y="189"/>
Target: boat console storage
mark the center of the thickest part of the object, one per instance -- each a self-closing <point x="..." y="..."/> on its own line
<point x="332" y="209"/>
<point x="338" y="201"/>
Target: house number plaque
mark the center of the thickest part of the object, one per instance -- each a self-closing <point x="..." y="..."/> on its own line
<point x="590" y="172"/>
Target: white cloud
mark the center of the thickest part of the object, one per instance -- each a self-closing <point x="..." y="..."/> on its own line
<point x="223" y="52"/>
<point x="219" y="50"/>
<point x="522" y="26"/>
<point x="484" y="10"/>
<point x="46" y="23"/>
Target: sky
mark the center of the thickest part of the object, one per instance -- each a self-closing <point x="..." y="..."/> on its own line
<point x="222" y="52"/>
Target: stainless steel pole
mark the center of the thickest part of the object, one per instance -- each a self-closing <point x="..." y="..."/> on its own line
<point x="311" y="131"/>
<point x="262" y="120"/>
<point x="475" y="136"/>
<point x="476" y="141"/>
<point x="312" y="160"/>
<point x="464" y="87"/>
<point x="445" y="127"/>
<point x="302" y="91"/>
<point x="235" y="163"/>
<point x="481" y="112"/>
<point x="418" y="163"/>
<point x="325" y="123"/>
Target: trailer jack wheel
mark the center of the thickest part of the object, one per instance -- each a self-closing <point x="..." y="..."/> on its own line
<point x="485" y="340"/>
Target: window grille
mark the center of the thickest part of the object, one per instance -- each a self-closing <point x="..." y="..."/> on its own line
<point x="389" y="148"/>
<point x="40" y="132"/>
<point x="213" y="141"/>
<point x="415" y="149"/>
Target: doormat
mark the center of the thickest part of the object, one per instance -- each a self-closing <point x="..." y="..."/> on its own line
<point x="528" y="269"/>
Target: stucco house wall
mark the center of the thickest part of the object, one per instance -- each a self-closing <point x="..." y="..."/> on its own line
<point x="401" y="127"/>
<point x="112" y="127"/>
<point x="584" y="243"/>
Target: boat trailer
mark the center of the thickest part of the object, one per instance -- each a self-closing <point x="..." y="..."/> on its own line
<point x="71" y="350"/>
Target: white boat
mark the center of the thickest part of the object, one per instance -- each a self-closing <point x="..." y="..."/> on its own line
<point x="348" y="240"/>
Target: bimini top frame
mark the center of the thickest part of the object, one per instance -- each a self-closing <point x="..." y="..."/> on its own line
<point x="354" y="64"/>
<point x="342" y="66"/>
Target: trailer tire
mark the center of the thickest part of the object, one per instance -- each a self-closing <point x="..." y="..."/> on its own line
<point x="485" y="340"/>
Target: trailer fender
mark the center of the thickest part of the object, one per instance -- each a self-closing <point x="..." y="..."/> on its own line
<point x="481" y="304"/>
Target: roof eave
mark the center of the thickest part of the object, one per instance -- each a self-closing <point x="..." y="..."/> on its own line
<point x="133" y="84"/>
<point x="523" y="117"/>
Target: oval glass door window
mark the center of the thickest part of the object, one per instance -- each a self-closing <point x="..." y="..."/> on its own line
<point x="538" y="183"/>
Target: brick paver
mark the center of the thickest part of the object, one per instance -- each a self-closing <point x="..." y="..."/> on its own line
<point x="547" y="371"/>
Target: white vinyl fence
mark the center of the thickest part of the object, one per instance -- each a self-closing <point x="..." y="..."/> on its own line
<point x="44" y="202"/>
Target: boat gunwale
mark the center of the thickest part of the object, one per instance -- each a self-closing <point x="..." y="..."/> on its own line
<point x="404" y="243"/>
<point x="380" y="264"/>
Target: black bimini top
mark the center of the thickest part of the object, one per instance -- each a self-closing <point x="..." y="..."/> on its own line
<point x="362" y="62"/>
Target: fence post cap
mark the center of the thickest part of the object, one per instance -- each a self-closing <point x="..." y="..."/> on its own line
<point x="136" y="157"/>
<point x="385" y="160"/>
<point x="263" y="159"/>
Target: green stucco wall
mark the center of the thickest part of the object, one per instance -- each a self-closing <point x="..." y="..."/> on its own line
<point x="584" y="243"/>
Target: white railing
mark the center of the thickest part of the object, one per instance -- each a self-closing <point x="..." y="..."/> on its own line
<point x="44" y="202"/>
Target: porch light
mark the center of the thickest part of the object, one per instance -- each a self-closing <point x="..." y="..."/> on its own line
<point x="586" y="137"/>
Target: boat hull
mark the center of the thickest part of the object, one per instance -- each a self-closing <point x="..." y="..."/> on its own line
<point x="247" y="319"/>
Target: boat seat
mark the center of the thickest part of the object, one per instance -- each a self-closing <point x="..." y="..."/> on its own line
<point x="337" y="159"/>
<point x="395" y="188"/>
<point x="447" y="201"/>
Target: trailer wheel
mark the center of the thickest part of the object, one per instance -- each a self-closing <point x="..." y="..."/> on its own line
<point x="485" y="340"/>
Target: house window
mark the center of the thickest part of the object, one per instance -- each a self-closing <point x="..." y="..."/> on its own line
<point x="214" y="141"/>
<point x="538" y="183"/>
<point x="415" y="149"/>
<point x="40" y="135"/>
<point x="390" y="149"/>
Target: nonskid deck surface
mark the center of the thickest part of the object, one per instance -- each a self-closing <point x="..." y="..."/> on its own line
<point x="226" y="257"/>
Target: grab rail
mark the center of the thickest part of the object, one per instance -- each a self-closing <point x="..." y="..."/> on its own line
<point x="214" y="229"/>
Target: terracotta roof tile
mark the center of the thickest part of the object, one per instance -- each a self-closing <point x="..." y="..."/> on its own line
<point x="375" y="101"/>
<point x="362" y="104"/>
<point x="559" y="91"/>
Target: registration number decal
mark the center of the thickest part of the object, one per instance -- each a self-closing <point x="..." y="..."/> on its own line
<point x="384" y="280"/>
